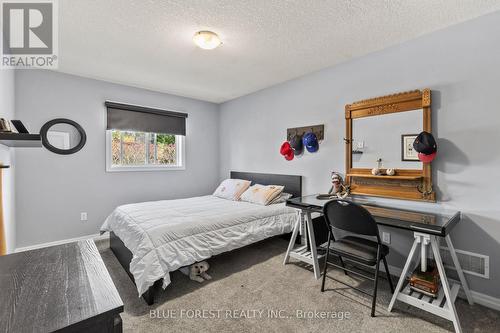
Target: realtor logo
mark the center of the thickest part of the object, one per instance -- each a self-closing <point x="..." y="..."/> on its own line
<point x="29" y="34"/>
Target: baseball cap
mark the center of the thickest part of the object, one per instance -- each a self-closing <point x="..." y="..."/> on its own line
<point x="297" y="145"/>
<point x="310" y="141"/>
<point x="287" y="151"/>
<point x="427" y="158"/>
<point x="425" y="143"/>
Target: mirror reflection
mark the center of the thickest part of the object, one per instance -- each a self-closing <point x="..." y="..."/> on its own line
<point x="387" y="137"/>
<point x="63" y="136"/>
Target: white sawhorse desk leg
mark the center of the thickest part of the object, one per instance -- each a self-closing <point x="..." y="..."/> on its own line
<point x="403" y="274"/>
<point x="295" y="232"/>
<point x="302" y="253"/>
<point x="433" y="305"/>
<point x="312" y="244"/>
<point x="460" y="273"/>
<point x="450" y="300"/>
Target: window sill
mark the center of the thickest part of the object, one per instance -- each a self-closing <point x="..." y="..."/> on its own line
<point x="145" y="168"/>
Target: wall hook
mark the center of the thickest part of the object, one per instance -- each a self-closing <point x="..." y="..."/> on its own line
<point x="318" y="130"/>
<point x="425" y="193"/>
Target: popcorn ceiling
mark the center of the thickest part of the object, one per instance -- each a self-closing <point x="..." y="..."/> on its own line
<point x="149" y="44"/>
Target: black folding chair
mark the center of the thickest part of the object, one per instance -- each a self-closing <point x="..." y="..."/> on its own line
<point x="348" y="216"/>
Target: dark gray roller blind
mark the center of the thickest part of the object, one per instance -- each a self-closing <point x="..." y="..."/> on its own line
<point x="143" y="119"/>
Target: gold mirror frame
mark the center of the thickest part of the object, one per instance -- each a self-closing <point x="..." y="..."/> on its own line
<point x="407" y="184"/>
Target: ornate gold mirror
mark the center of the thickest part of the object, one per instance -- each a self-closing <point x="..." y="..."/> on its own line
<point x="379" y="134"/>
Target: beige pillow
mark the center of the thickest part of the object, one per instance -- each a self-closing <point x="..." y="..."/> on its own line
<point x="232" y="189"/>
<point x="262" y="194"/>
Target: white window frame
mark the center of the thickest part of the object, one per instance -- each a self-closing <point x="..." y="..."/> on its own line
<point x="180" y="146"/>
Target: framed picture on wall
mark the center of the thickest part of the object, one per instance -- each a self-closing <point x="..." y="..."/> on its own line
<point x="407" y="152"/>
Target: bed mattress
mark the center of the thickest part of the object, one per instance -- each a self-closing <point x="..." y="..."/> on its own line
<point x="166" y="235"/>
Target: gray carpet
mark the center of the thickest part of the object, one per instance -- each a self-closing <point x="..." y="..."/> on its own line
<point x="254" y="279"/>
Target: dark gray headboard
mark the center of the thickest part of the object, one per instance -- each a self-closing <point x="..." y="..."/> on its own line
<point x="293" y="184"/>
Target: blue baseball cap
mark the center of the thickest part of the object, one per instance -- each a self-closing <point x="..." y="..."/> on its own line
<point x="310" y="141"/>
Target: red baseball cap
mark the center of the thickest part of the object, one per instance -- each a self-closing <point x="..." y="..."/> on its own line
<point x="427" y="158"/>
<point x="287" y="151"/>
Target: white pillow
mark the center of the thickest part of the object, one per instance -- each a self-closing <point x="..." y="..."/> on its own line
<point x="232" y="189"/>
<point x="261" y="194"/>
<point x="283" y="197"/>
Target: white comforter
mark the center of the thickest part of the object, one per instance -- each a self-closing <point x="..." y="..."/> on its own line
<point x="166" y="235"/>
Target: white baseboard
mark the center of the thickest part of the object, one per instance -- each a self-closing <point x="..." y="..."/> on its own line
<point x="64" y="241"/>
<point x="483" y="299"/>
<point x="479" y="298"/>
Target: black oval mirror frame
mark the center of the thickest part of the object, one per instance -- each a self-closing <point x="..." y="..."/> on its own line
<point x="45" y="128"/>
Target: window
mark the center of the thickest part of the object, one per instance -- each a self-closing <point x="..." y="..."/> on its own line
<point x="140" y="138"/>
<point x="143" y="151"/>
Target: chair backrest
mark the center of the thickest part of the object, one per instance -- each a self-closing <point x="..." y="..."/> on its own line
<point x="348" y="216"/>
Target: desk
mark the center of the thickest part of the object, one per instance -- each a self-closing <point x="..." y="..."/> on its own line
<point x="426" y="227"/>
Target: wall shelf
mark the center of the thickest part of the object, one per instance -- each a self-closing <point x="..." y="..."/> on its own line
<point x="20" y="140"/>
<point x="318" y="130"/>
<point x="360" y="175"/>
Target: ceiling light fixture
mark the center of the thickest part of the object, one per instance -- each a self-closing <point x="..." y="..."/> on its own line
<point x="206" y="40"/>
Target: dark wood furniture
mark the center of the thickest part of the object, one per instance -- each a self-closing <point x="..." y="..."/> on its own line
<point x="12" y="139"/>
<point x="408" y="184"/>
<point x="293" y="185"/>
<point x="62" y="288"/>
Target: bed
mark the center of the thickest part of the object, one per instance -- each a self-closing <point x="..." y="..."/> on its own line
<point x="152" y="239"/>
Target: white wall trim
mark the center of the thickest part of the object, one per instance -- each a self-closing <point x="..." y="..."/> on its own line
<point x="64" y="241"/>
<point x="483" y="299"/>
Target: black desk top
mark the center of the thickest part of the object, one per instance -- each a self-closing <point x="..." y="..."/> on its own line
<point x="52" y="288"/>
<point x="418" y="221"/>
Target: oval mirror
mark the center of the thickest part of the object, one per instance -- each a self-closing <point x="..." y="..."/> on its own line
<point x="63" y="136"/>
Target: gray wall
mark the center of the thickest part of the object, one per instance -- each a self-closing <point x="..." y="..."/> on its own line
<point x="52" y="190"/>
<point x="460" y="64"/>
<point x="7" y="157"/>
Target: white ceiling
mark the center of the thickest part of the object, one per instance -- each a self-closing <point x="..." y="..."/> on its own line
<point x="148" y="43"/>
